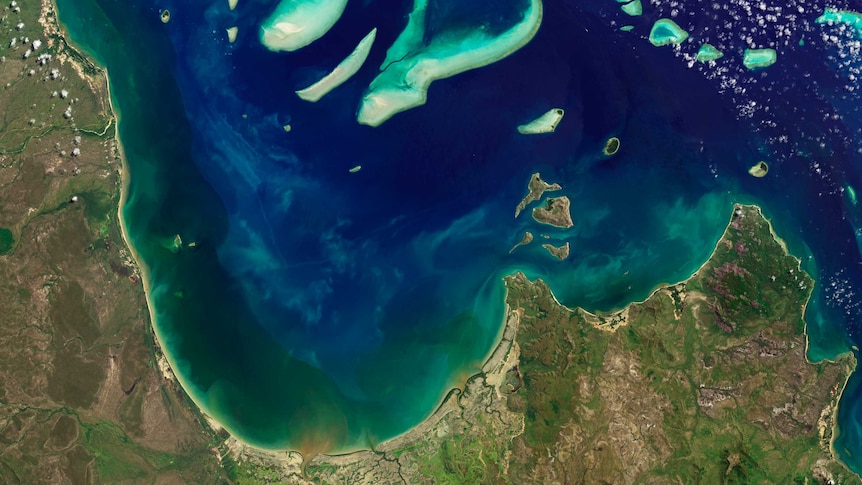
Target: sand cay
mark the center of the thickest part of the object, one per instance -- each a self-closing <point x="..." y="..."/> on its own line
<point x="297" y="23"/>
<point x="547" y="123"/>
<point x="342" y="72"/>
<point x="403" y="85"/>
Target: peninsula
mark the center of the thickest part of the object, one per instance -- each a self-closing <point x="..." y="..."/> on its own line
<point x="536" y="189"/>
<point x="556" y="212"/>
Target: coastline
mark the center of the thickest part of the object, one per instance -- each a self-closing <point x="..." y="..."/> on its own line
<point x="491" y="361"/>
<point x="163" y="360"/>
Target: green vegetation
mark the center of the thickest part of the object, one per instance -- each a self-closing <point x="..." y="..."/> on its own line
<point x="7" y="240"/>
<point x="704" y="382"/>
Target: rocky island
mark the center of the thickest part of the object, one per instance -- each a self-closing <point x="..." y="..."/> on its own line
<point x="555" y="212"/>
<point x="536" y="189"/>
<point x="527" y="239"/>
<point x="559" y="252"/>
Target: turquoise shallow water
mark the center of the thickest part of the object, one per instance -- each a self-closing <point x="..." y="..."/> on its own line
<point x="327" y="310"/>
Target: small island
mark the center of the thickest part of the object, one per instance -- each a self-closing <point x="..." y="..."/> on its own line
<point x="759" y="169"/>
<point x="555" y="213"/>
<point x="547" y="123"/>
<point x="559" y="252"/>
<point x="537" y="187"/>
<point x="666" y="31"/>
<point x="527" y="239"/>
<point x="612" y="146"/>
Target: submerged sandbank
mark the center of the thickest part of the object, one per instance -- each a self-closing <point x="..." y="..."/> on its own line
<point x="666" y="31"/>
<point x="296" y="23"/>
<point x="758" y="58"/>
<point x="403" y="85"/>
<point x="342" y="72"/>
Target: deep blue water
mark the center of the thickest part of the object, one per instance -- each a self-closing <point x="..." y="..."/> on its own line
<point x="323" y="309"/>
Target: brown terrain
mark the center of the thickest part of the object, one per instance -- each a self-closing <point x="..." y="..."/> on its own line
<point x="556" y="212"/>
<point x="82" y="399"/>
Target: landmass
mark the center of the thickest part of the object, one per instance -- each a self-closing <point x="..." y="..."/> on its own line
<point x="85" y="394"/>
<point x="416" y="59"/>
<point x="297" y="23"/>
<point x="706" y="381"/>
<point x="559" y="252"/>
<point x="342" y="72"/>
<point x="547" y="123"/>
<point x="758" y="58"/>
<point x="556" y="212"/>
<point x="666" y="31"/>
<point x="536" y="188"/>
<point x="527" y="239"/>
<point x="759" y="169"/>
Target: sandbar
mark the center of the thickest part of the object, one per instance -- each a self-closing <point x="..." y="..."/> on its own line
<point x="297" y="23"/>
<point x="547" y="123"/>
<point x="759" y="169"/>
<point x="342" y="72"/>
<point x="535" y="189"/>
<point x="413" y="62"/>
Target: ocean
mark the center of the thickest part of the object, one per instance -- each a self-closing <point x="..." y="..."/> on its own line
<point x="321" y="309"/>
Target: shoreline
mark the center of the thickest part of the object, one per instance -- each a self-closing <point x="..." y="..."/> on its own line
<point x="490" y="361"/>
